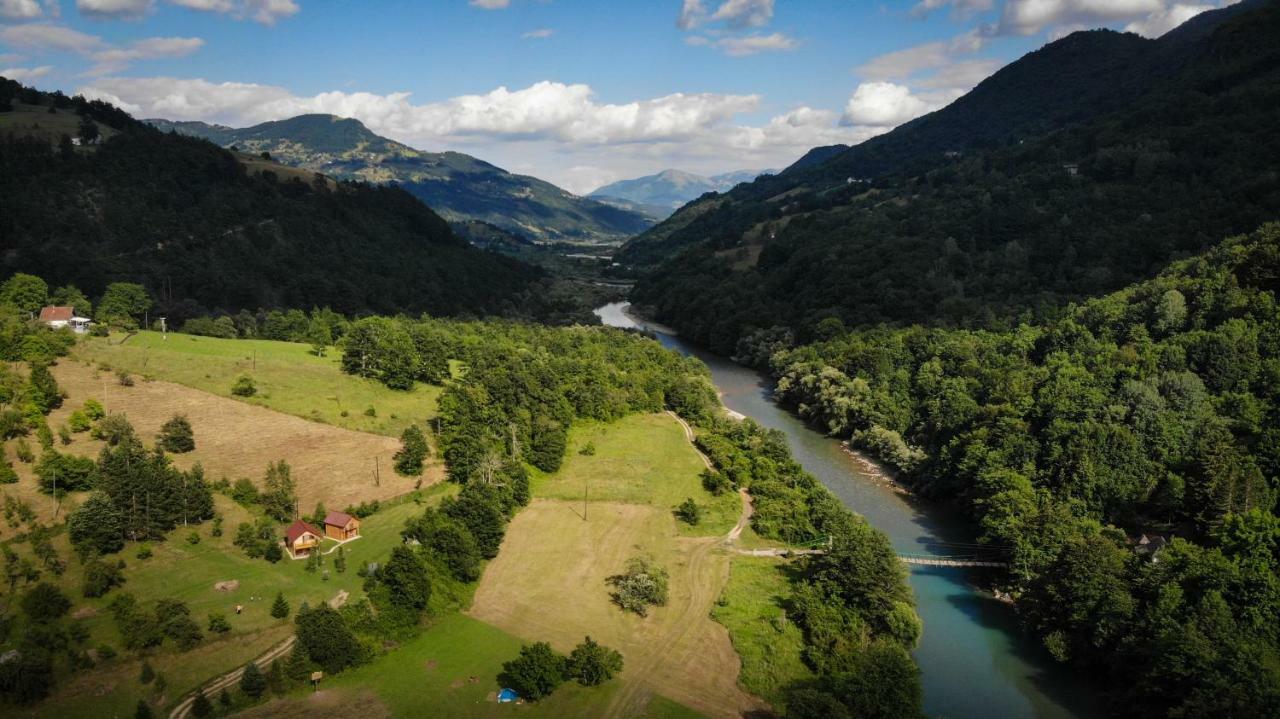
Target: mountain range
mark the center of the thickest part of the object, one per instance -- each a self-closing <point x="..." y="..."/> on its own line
<point x="458" y="187"/>
<point x="1084" y="166"/>
<point x="661" y="194"/>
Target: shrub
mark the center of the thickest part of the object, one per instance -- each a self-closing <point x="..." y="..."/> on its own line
<point x="244" y="387"/>
<point x="23" y="451"/>
<point x="144" y="551"/>
<point x="64" y="435"/>
<point x="113" y="429"/>
<point x="252" y="683"/>
<point x="537" y="672"/>
<point x="176" y="435"/>
<point x="59" y="473"/>
<point x="148" y="673"/>
<point x="413" y="450"/>
<point x="7" y="473"/>
<point x="45" y="603"/>
<point x="218" y="623"/>
<point x="105" y="652"/>
<point x="715" y="482"/>
<point x="193" y="538"/>
<point x="101" y="577"/>
<point x="244" y="491"/>
<point x="124" y="378"/>
<point x="642" y="585"/>
<point x="79" y="421"/>
<point x="588" y="450"/>
<point x="93" y="409"/>
<point x="688" y="512"/>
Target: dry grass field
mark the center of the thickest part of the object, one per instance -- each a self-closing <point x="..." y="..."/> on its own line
<point x="548" y="584"/>
<point x="233" y="439"/>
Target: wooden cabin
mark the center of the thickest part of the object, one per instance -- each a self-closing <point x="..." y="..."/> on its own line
<point x="301" y="539"/>
<point x="341" y="526"/>
<point x="58" y="317"/>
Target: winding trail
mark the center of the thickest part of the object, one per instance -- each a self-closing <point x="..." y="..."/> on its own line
<point x="183" y="709"/>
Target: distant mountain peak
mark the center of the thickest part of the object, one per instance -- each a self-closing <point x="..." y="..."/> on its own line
<point x="662" y="193"/>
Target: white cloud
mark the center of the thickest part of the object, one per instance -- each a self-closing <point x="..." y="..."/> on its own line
<point x="539" y="34"/>
<point x="9" y="58"/>
<point x="692" y="14"/>
<point x="113" y="9"/>
<point x="740" y="46"/>
<point x="883" y="104"/>
<point x="1028" y="17"/>
<point x="45" y="37"/>
<point x="550" y="126"/>
<point x="744" y="13"/>
<point x="116" y="59"/>
<point x="26" y="74"/>
<point x="1159" y="23"/>
<point x="491" y="4"/>
<point x="266" y="12"/>
<point x="19" y="9"/>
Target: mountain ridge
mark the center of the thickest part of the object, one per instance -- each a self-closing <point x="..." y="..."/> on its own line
<point x="459" y="187"/>
<point x="662" y="193"/>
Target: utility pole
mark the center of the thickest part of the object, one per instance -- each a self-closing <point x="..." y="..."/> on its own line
<point x="56" y="498"/>
<point x="377" y="471"/>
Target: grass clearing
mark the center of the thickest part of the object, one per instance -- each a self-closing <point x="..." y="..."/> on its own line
<point x="290" y="379"/>
<point x="640" y="459"/>
<point x="436" y="670"/>
<point x="552" y="558"/>
<point x="750" y="607"/>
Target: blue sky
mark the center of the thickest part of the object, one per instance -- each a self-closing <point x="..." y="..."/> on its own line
<point x="578" y="92"/>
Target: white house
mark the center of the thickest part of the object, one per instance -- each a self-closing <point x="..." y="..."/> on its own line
<point x="57" y="317"/>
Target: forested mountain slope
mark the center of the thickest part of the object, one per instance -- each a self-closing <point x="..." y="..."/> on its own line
<point x="459" y="187"/>
<point x="991" y="233"/>
<point x="186" y="219"/>
<point x="1153" y="411"/>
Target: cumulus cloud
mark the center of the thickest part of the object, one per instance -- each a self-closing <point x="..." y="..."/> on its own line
<point x="491" y="4"/>
<point x="43" y="38"/>
<point x="19" y="9"/>
<point x="539" y="34"/>
<point x="550" y="127"/>
<point x="726" y="28"/>
<point x="26" y="74"/>
<point x="883" y="104"/>
<point x="1159" y="23"/>
<point x="960" y="9"/>
<point x="744" y="13"/>
<point x="113" y="9"/>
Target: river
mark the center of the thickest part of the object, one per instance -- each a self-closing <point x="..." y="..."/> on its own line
<point x="974" y="660"/>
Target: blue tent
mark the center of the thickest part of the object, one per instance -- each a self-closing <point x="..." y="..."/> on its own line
<point x="507" y="695"/>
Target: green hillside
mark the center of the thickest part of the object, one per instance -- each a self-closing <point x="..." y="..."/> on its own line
<point x="981" y="236"/>
<point x="457" y="186"/>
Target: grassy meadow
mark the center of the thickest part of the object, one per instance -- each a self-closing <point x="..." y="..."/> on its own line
<point x="289" y="378"/>
<point x="181" y="570"/>
<point x="641" y="459"/>
<point x="750" y="607"/>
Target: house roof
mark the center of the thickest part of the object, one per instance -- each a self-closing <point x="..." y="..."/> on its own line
<point x="297" y="529"/>
<point x="338" y="519"/>
<point x="53" y="313"/>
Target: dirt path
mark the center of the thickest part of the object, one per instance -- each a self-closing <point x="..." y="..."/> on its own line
<point x="744" y="519"/>
<point x="689" y="435"/>
<point x="226" y="681"/>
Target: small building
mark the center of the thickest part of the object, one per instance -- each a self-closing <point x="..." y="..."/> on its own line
<point x="58" y="317"/>
<point x="1072" y="169"/>
<point x="301" y="539"/>
<point x="1150" y="545"/>
<point x="341" y="526"/>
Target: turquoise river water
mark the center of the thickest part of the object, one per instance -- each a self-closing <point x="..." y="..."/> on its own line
<point x="974" y="660"/>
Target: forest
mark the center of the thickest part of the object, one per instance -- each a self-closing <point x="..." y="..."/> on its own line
<point x="988" y="235"/>
<point x="1149" y="412"/>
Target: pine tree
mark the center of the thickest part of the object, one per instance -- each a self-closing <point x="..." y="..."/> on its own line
<point x="176" y="435"/>
<point x="275" y="678"/>
<point x="224" y="698"/>
<point x="280" y="608"/>
<point x="340" y="561"/>
<point x="278" y="496"/>
<point x="252" y="683"/>
<point x="201" y="707"/>
<point x="298" y="668"/>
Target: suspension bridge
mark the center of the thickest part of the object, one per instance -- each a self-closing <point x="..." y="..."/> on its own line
<point x="965" y="554"/>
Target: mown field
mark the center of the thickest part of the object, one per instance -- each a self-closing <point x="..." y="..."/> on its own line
<point x="289" y="378"/>
<point x="643" y="459"/>
<point x="180" y="570"/>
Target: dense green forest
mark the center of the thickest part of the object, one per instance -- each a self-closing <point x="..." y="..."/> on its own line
<point x="184" y="218"/>
<point x="1153" y="410"/>
<point x="986" y="236"/>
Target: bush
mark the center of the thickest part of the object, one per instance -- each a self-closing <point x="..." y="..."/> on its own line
<point x="218" y="623"/>
<point x="79" y="421"/>
<point x="23" y="451"/>
<point x="536" y="673"/>
<point x="593" y="664"/>
<point x="45" y="603"/>
<point x="101" y="577"/>
<point x="715" y="482"/>
<point x="124" y="378"/>
<point x="60" y="473"/>
<point x="144" y="551"/>
<point x="245" y="492"/>
<point x="326" y="639"/>
<point x="244" y="387"/>
<point x="252" y="682"/>
<point x="642" y="585"/>
<point x="193" y="538"/>
<point x="176" y="435"/>
<point x="93" y="409"/>
<point x="688" y="512"/>
<point x="148" y="674"/>
<point x="64" y="435"/>
<point x="113" y="429"/>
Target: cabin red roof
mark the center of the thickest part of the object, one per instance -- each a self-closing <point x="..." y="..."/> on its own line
<point x="57" y="314"/>
<point x="338" y="519"/>
<point x="297" y="529"/>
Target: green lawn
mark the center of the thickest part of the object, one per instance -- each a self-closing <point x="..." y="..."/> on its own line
<point x="431" y="675"/>
<point x="640" y="459"/>
<point x="769" y="645"/>
<point x="180" y="570"/>
<point x="290" y="379"/>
